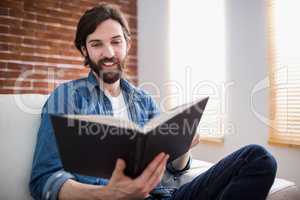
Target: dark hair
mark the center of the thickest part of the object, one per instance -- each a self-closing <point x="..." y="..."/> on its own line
<point x="95" y="16"/>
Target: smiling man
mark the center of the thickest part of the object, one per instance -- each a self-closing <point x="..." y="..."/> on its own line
<point x="103" y="38"/>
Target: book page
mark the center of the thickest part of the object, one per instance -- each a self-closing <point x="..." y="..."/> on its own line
<point x="165" y="116"/>
<point x="104" y="119"/>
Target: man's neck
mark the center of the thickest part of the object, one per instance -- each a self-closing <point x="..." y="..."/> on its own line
<point x="112" y="89"/>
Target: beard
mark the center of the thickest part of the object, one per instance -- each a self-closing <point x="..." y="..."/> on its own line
<point x="107" y="75"/>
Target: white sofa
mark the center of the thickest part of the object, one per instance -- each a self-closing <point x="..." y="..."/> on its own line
<point x="19" y="120"/>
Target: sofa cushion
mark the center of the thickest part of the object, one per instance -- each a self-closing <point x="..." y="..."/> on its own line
<point x="283" y="189"/>
<point x="19" y="121"/>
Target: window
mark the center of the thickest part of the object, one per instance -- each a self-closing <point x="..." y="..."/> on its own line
<point x="284" y="70"/>
<point x="197" y="61"/>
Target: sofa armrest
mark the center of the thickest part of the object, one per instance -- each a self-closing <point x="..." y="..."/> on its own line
<point x="197" y="167"/>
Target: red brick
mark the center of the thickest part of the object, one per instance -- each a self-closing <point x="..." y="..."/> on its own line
<point x="18" y="66"/>
<point x="3" y="65"/>
<point x="22" y="32"/>
<point x="56" y="36"/>
<point x="39" y="76"/>
<point x="73" y="53"/>
<point x="11" y="4"/>
<point x="4" y="11"/>
<point x="19" y="49"/>
<point x="14" y="83"/>
<point x="17" y="56"/>
<point x="42" y="10"/>
<point x="74" y="9"/>
<point x="55" y="13"/>
<point x="62" y="45"/>
<point x="33" y="26"/>
<point x="67" y="76"/>
<point x="130" y="9"/>
<point x="23" y="91"/>
<point x="132" y="59"/>
<point x="43" y="85"/>
<point x="9" y="74"/>
<point x="48" y="4"/>
<point x="36" y="42"/>
<point x="44" y="67"/>
<point x="87" y="4"/>
<point x="60" y="30"/>
<point x="3" y="47"/>
<point x="35" y="23"/>
<point x="131" y="71"/>
<point x="133" y="49"/>
<point x="63" y="61"/>
<point x="132" y="23"/>
<point x="30" y="6"/>
<point x="9" y="56"/>
<point x="29" y="16"/>
<point x="45" y="51"/>
<point x="10" y="21"/>
<point x="31" y="58"/>
<point x="56" y="51"/>
<point x="4" y="29"/>
<point x="57" y="21"/>
<point x="16" y="13"/>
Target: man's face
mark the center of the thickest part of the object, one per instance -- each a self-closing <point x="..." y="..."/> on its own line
<point x="106" y="50"/>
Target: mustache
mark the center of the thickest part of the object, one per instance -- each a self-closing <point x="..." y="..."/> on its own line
<point x="112" y="59"/>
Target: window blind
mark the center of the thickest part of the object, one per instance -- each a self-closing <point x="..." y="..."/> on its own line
<point x="284" y="71"/>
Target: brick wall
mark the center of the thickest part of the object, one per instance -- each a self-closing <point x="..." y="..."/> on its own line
<point x="36" y="43"/>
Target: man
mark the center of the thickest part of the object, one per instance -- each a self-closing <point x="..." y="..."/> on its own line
<point x="103" y="38"/>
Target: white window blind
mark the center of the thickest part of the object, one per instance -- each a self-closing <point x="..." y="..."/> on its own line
<point x="197" y="60"/>
<point x="284" y="62"/>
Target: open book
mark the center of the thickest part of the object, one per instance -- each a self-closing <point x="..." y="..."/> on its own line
<point x="91" y="144"/>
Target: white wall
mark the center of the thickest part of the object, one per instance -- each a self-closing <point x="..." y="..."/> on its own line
<point x="246" y="66"/>
<point x="153" y="45"/>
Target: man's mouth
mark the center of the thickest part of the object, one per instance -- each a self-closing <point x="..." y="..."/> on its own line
<point x="108" y="64"/>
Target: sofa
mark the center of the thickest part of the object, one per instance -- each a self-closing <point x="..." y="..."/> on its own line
<point x="19" y="121"/>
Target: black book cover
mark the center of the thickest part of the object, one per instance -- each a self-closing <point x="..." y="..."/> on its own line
<point x="90" y="145"/>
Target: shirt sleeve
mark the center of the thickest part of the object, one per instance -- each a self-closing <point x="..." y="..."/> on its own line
<point x="174" y="171"/>
<point x="47" y="175"/>
<point x="54" y="184"/>
<point x="153" y="108"/>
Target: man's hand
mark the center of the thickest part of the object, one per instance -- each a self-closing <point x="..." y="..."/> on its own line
<point x="123" y="187"/>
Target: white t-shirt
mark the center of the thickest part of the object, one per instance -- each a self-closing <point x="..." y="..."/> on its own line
<point x="118" y="106"/>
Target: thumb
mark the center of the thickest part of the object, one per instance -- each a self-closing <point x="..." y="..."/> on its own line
<point x="119" y="167"/>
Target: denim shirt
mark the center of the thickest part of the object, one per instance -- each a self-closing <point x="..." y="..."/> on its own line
<point x="82" y="96"/>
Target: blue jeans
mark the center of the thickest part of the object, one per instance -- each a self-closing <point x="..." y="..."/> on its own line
<point x="246" y="174"/>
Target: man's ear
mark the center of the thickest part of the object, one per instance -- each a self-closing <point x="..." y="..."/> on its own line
<point x="83" y="50"/>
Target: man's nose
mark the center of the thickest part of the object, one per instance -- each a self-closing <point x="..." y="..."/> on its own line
<point x="108" y="51"/>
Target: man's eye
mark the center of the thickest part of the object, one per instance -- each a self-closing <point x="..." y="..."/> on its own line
<point x="116" y="42"/>
<point x="96" y="45"/>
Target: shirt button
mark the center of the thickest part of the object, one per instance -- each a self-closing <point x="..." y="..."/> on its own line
<point x="48" y="195"/>
<point x="58" y="175"/>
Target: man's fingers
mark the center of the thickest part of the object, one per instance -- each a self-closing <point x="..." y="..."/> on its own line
<point x="147" y="173"/>
<point x="158" y="173"/>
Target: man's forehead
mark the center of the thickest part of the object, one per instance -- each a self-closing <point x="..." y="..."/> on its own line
<point x="107" y="30"/>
